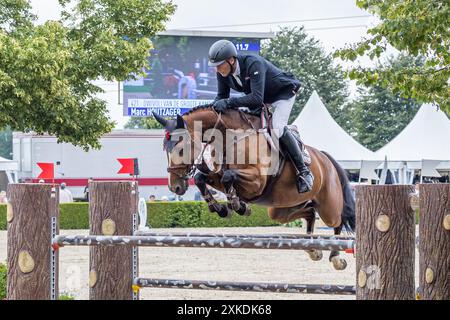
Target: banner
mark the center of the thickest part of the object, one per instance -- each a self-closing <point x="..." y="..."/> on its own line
<point x="163" y="107"/>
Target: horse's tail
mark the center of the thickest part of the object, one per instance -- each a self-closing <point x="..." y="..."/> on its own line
<point x="348" y="211"/>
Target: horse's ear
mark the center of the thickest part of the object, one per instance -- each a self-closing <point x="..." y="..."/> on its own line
<point x="160" y="119"/>
<point x="180" y="122"/>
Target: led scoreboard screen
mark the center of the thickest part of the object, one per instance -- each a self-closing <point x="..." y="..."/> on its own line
<point x="178" y="77"/>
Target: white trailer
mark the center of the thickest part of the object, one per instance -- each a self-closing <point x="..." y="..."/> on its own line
<point x="74" y="166"/>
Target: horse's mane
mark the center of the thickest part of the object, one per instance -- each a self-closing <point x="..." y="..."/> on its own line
<point x="201" y="107"/>
<point x="210" y="108"/>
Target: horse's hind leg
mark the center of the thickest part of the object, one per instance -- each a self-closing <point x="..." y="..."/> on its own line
<point x="284" y="215"/>
<point x="228" y="180"/>
<point x="315" y="255"/>
<point x="338" y="262"/>
<point x="213" y="206"/>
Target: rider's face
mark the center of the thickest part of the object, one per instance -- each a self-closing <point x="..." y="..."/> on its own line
<point x="224" y="69"/>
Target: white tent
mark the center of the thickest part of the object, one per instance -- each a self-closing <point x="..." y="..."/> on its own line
<point x="427" y="136"/>
<point x="319" y="130"/>
<point x="8" y="172"/>
<point x="8" y="165"/>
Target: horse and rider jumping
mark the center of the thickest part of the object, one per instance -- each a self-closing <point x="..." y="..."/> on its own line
<point x="286" y="184"/>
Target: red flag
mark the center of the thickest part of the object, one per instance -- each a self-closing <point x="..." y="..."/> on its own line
<point x="48" y="170"/>
<point x="127" y="165"/>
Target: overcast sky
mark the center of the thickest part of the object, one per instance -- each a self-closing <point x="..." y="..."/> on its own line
<point x="337" y="22"/>
<point x="224" y="15"/>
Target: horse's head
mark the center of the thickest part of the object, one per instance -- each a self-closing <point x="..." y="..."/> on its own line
<point x="177" y="144"/>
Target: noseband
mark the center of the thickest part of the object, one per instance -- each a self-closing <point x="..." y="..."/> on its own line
<point x="185" y="167"/>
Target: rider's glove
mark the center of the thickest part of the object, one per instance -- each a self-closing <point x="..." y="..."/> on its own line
<point x="221" y="105"/>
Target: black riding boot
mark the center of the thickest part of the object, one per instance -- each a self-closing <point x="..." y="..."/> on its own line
<point x="290" y="145"/>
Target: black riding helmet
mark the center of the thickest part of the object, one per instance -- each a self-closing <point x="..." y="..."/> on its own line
<point x="220" y="51"/>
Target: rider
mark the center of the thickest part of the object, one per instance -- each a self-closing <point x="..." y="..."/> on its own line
<point x="262" y="82"/>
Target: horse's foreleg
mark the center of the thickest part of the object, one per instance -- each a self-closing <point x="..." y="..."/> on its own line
<point x="228" y="180"/>
<point x="213" y="206"/>
<point x="335" y="259"/>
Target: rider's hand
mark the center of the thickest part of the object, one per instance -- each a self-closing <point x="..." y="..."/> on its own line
<point x="221" y="105"/>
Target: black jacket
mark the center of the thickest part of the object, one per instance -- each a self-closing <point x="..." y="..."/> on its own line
<point x="262" y="82"/>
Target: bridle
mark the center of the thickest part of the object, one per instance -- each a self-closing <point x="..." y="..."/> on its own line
<point x="185" y="176"/>
<point x="191" y="168"/>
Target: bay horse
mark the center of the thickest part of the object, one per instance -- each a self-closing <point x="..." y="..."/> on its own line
<point x="248" y="182"/>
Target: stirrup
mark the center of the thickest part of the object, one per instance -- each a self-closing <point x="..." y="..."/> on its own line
<point x="302" y="185"/>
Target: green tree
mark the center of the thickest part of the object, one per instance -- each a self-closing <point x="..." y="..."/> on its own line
<point x="6" y="143"/>
<point x="417" y="28"/>
<point x="46" y="71"/>
<point x="378" y="114"/>
<point x="143" y="123"/>
<point x="293" y="50"/>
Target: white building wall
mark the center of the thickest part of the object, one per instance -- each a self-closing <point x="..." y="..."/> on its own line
<point x="74" y="166"/>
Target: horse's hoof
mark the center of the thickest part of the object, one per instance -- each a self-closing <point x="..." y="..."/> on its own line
<point x="235" y="204"/>
<point x="338" y="263"/>
<point x="224" y="212"/>
<point x="315" y="255"/>
<point x="245" y="210"/>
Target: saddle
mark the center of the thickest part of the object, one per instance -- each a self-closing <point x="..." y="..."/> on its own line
<point x="266" y="127"/>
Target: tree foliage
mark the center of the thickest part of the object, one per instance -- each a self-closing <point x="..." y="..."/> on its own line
<point x="6" y="143"/>
<point x="378" y="114"/>
<point x="414" y="27"/>
<point x="47" y="71"/>
<point x="143" y="123"/>
<point x="293" y="50"/>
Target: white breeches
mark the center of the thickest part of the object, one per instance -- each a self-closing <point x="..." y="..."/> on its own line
<point x="282" y="110"/>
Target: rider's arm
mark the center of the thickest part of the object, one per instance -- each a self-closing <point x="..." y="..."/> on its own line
<point x="257" y="74"/>
<point x="223" y="89"/>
